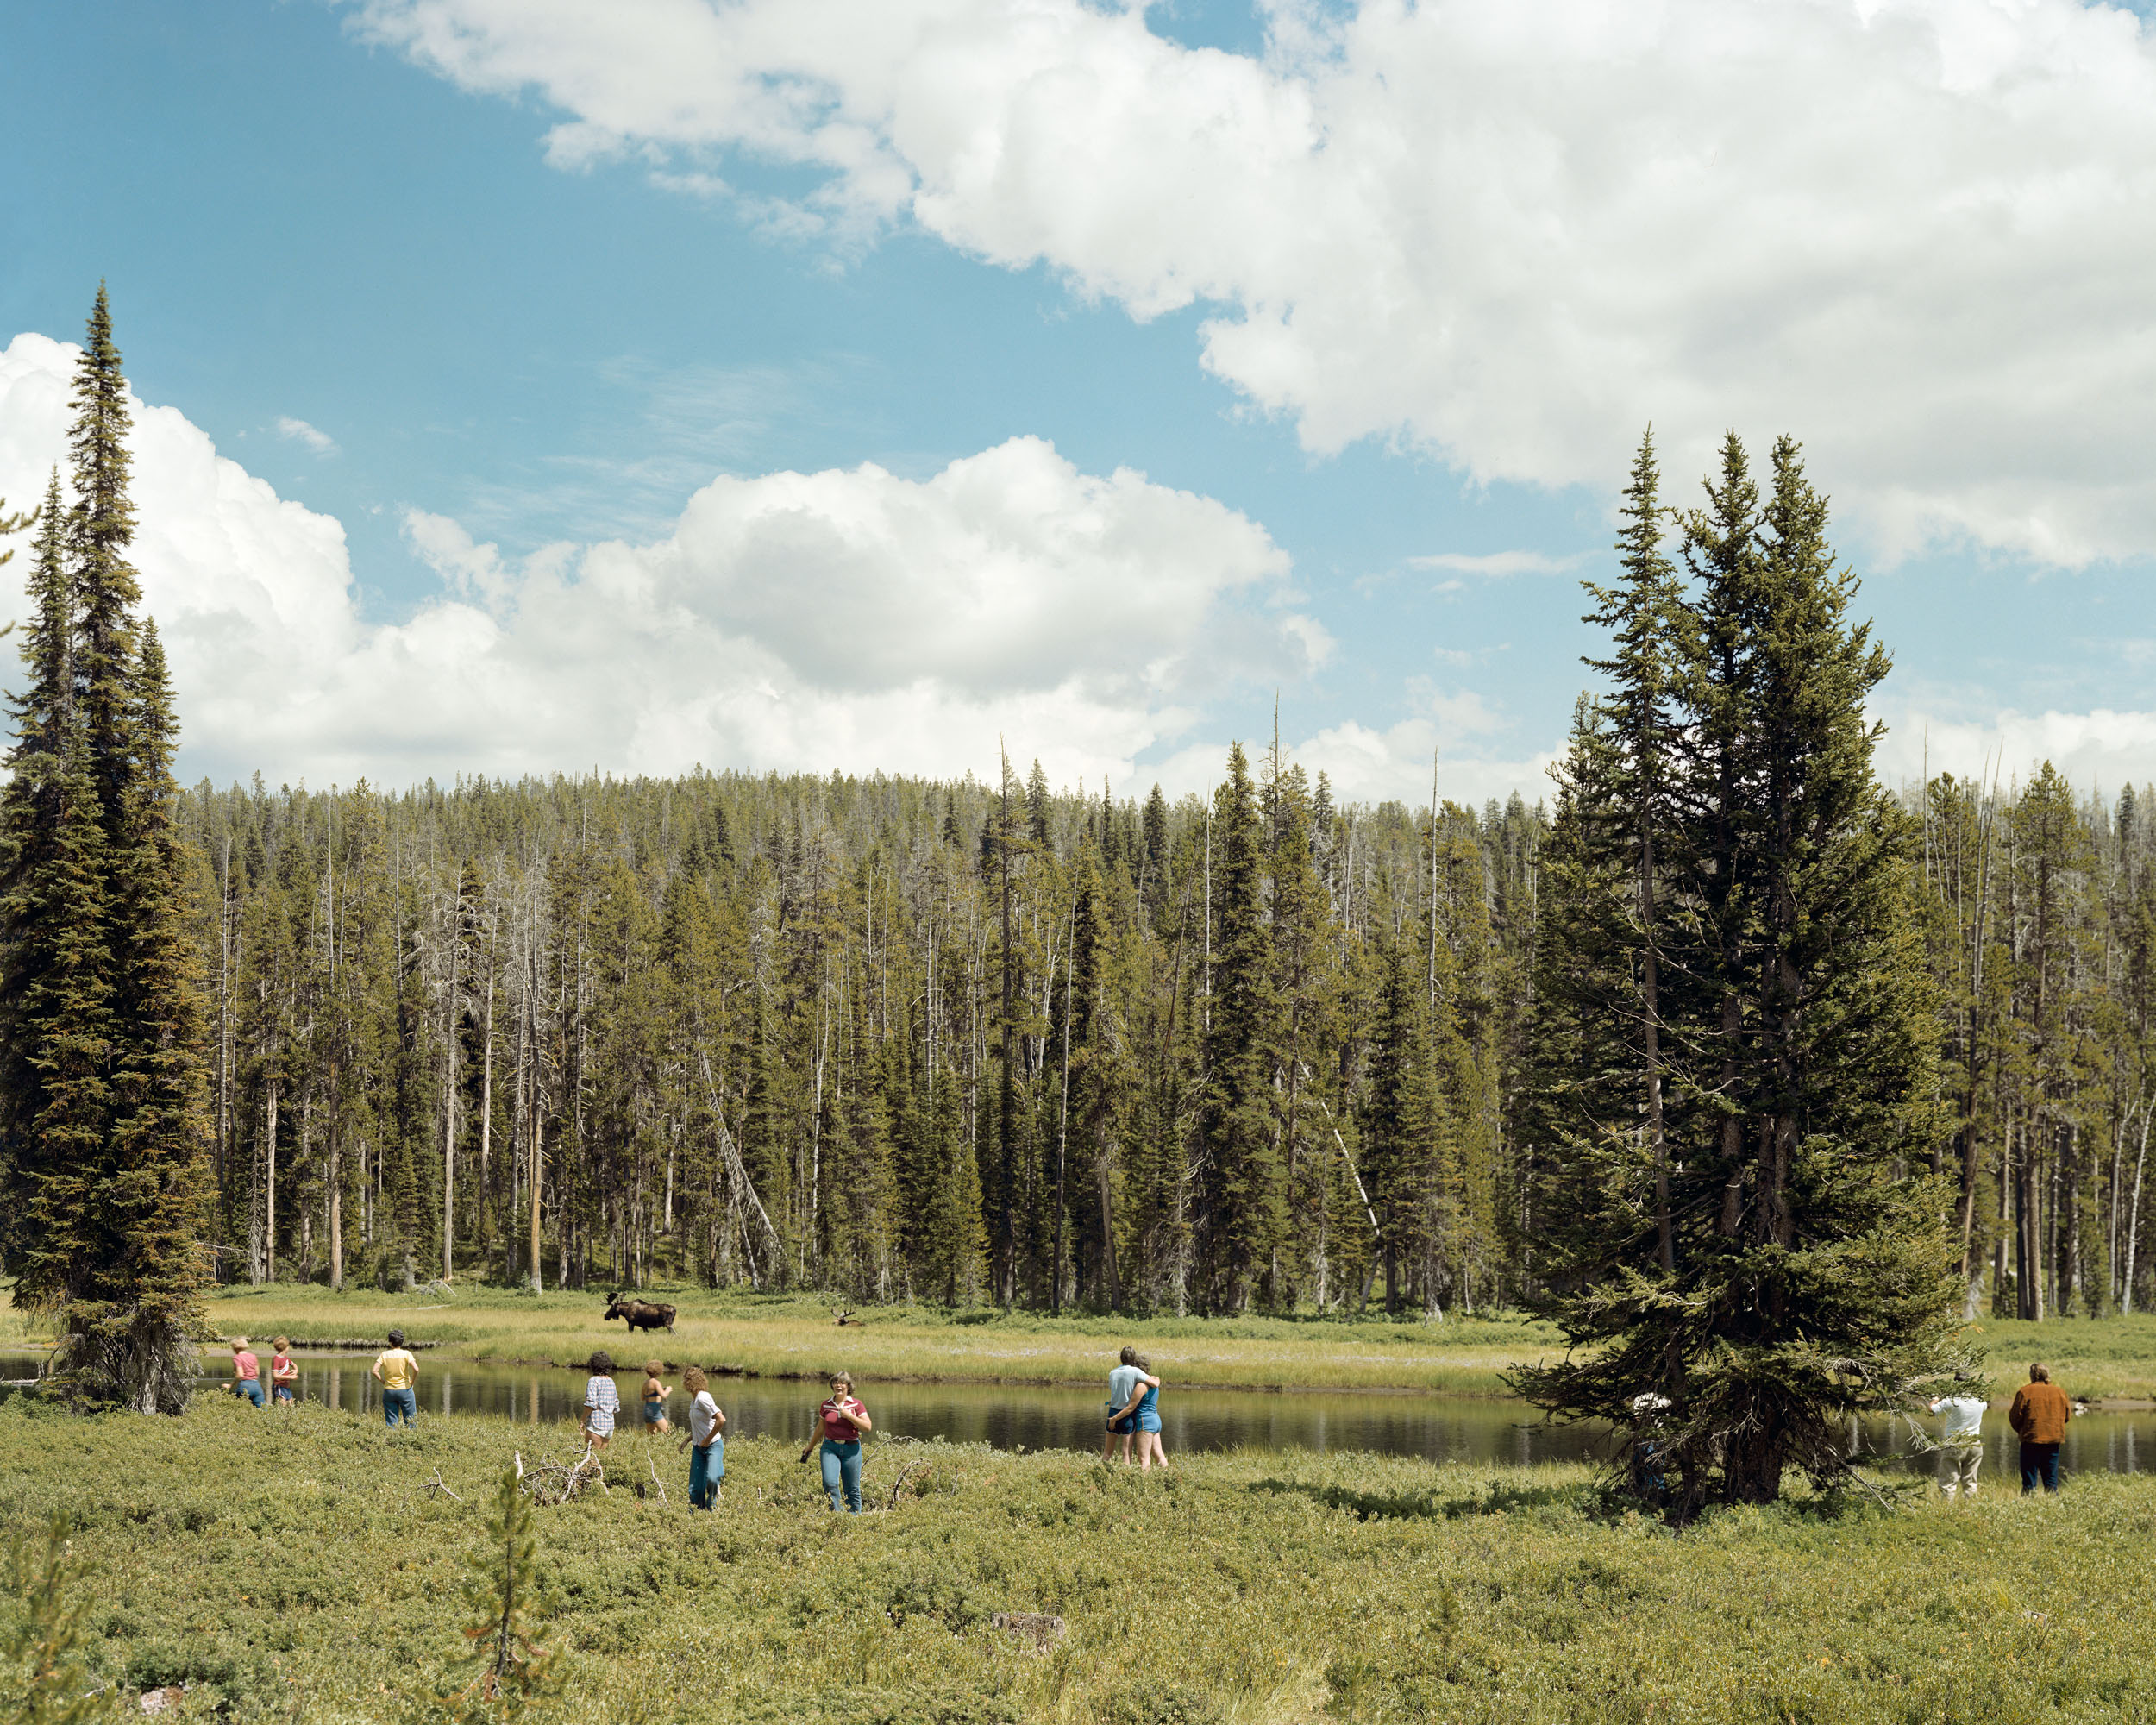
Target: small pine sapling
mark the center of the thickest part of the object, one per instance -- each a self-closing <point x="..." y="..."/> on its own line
<point x="510" y="1603"/>
<point x="41" y="1642"/>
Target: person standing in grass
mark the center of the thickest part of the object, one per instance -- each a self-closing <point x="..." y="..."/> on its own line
<point x="1960" y="1440"/>
<point x="284" y="1374"/>
<point x="1148" y="1412"/>
<point x="397" y="1372"/>
<point x="707" y="1441"/>
<point x="656" y="1393"/>
<point x="602" y="1399"/>
<point x="841" y="1420"/>
<point x="247" y="1372"/>
<point x="1122" y="1405"/>
<point x="2039" y="1417"/>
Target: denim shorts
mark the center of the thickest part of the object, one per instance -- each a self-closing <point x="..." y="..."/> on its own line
<point x="1124" y="1427"/>
<point x="1148" y="1421"/>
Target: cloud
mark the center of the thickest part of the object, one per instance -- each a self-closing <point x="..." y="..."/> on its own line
<point x="1498" y="564"/>
<point x="1371" y="764"/>
<point x="2102" y="750"/>
<point x="299" y="431"/>
<point x="1466" y="741"/>
<point x="842" y="619"/>
<point x="1915" y="233"/>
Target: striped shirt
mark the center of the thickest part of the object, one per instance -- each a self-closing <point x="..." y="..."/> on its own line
<point x="601" y="1400"/>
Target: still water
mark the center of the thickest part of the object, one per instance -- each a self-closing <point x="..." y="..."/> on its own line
<point x="1436" y="1428"/>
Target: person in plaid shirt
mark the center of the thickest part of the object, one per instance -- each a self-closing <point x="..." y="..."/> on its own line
<point x="601" y="1400"/>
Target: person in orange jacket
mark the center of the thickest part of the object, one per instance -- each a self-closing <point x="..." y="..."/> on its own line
<point x="2039" y="1417"/>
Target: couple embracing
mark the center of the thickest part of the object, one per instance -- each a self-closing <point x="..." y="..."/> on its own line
<point x="1134" y="1411"/>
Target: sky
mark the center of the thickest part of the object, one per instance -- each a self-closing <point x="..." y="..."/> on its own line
<point x="529" y="385"/>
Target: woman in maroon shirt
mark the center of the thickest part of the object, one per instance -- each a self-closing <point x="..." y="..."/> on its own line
<point x="840" y="1422"/>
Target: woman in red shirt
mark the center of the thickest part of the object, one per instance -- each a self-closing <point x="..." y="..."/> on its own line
<point x="840" y="1422"/>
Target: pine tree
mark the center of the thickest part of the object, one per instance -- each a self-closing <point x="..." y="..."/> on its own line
<point x="763" y="1154"/>
<point x="157" y="1200"/>
<point x="1811" y="1281"/>
<point x="1244" y="1199"/>
<point x="101" y="526"/>
<point x="1099" y="1079"/>
<point x="508" y="1601"/>
<point x="57" y="1028"/>
<point x="1587" y="1184"/>
<point x="1037" y="811"/>
<point x="963" y="1242"/>
<point x="1641" y="613"/>
<point x="1153" y="863"/>
<point x="1305" y="944"/>
<point x="1402" y="1134"/>
<point x="101" y="1008"/>
<point x="49" y="1629"/>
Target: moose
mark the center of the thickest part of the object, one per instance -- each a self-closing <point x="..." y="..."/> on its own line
<point x="642" y="1314"/>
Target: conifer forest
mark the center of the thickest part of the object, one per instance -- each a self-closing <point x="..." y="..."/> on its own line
<point x="992" y="1041"/>
<point x="972" y="1042"/>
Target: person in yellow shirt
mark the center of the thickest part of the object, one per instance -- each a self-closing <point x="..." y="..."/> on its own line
<point x="399" y="1375"/>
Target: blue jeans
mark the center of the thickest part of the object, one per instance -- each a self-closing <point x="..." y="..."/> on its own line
<point x="841" y="1471"/>
<point x="404" y="1401"/>
<point x="706" y="1468"/>
<point x="2040" y="1466"/>
<point x="249" y="1387"/>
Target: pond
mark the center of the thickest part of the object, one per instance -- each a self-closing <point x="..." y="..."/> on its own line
<point x="1436" y="1427"/>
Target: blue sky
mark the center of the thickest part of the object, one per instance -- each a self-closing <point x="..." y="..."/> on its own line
<point x="306" y="214"/>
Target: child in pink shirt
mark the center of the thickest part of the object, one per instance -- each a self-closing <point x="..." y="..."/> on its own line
<point x="247" y="1372"/>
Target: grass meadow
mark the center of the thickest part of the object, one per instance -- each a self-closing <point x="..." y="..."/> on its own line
<point x="791" y="1336"/>
<point x="301" y="1566"/>
<point x="795" y="1336"/>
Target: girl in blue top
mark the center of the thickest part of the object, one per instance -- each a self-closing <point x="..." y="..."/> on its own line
<point x="1148" y="1410"/>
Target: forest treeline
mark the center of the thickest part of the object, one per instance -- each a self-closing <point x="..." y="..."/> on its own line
<point x="895" y="1038"/>
<point x="965" y="1043"/>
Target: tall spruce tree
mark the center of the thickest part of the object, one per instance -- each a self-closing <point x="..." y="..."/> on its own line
<point x="101" y="1008"/>
<point x="1641" y="613"/>
<point x="1403" y="1134"/>
<point x="1813" y="1277"/>
<point x="1099" y="1079"/>
<point x="56" y="991"/>
<point x="1243" y="1195"/>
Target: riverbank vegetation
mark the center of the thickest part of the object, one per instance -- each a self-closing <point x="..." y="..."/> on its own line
<point x="304" y="1566"/>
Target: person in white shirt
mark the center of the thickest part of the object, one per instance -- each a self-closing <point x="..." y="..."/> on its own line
<point x="1960" y="1440"/>
<point x="707" y="1448"/>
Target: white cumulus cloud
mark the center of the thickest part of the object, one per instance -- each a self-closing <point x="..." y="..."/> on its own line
<point x="2101" y="750"/>
<point x="844" y="620"/>
<point x="1915" y="233"/>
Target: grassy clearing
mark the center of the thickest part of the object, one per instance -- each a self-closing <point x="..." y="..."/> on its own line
<point x="795" y="1336"/>
<point x="299" y="1567"/>
<point x="2102" y="1358"/>
<point x="2105" y="1358"/>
